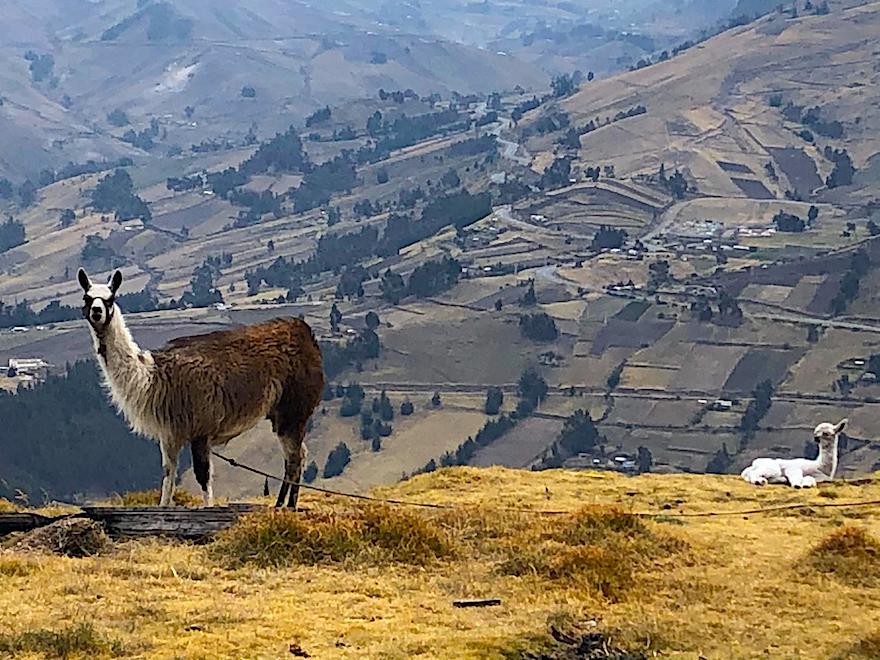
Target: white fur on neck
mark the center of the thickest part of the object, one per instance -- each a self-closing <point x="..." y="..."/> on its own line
<point x="128" y="373"/>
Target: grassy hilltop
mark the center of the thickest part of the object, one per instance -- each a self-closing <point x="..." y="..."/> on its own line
<point x="350" y="580"/>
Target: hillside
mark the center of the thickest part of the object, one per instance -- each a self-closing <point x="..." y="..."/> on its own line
<point x="312" y="583"/>
<point x="686" y="252"/>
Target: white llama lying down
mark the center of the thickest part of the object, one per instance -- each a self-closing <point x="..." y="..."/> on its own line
<point x="800" y="472"/>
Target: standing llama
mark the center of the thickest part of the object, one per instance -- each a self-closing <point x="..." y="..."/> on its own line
<point x="207" y="389"/>
<point x="800" y="472"/>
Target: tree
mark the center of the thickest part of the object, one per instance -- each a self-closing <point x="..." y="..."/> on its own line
<point x="494" y="400"/>
<point x="12" y="234"/>
<point x="310" y="473"/>
<point x="27" y="193"/>
<point x="407" y="408"/>
<point x="608" y="238"/>
<point x="720" y="462"/>
<point x="371" y="320"/>
<point x="873" y="228"/>
<point x="382" y="175"/>
<point x="614" y="377"/>
<point x="498" y="305"/>
<point x="812" y="214"/>
<point x="579" y="435"/>
<point x="563" y="85"/>
<point x="118" y="118"/>
<point x="335" y="318"/>
<point x="538" y="327"/>
<point x="68" y="217"/>
<point x="337" y="460"/>
<point x="762" y="399"/>
<point x="788" y="222"/>
<point x="436" y="401"/>
<point x="645" y="460"/>
<point x="202" y="292"/>
<point x="248" y="92"/>
<point x="386" y="410"/>
<point x="529" y="298"/>
<point x="532" y="388"/>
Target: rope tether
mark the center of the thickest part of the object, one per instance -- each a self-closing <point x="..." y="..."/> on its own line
<point x="544" y="512"/>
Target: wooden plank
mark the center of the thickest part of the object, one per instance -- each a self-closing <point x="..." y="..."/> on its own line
<point x="167" y="521"/>
<point x="22" y="522"/>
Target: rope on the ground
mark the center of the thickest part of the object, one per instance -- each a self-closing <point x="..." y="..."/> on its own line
<point x="545" y="512"/>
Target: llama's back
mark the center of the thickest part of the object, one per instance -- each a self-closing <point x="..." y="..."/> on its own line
<point x="239" y="374"/>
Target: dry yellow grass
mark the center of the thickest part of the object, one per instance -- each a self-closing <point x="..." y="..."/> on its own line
<point x="726" y="587"/>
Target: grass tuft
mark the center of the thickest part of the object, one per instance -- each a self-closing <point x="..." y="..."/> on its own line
<point x="80" y="640"/>
<point x="374" y="534"/>
<point x="151" y="498"/>
<point x="15" y="567"/>
<point x="603" y="547"/>
<point x="850" y="554"/>
<point x="867" y="648"/>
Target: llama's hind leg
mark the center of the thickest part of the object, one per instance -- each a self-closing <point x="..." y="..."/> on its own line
<point x="202" y="468"/>
<point x="294" y="457"/>
<point x="169" y="474"/>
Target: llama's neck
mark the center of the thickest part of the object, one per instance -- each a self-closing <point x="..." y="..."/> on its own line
<point x="127" y="368"/>
<point x="826" y="462"/>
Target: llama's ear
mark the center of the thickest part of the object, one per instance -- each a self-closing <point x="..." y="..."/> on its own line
<point x="84" y="280"/>
<point x="116" y="282"/>
<point x="841" y="425"/>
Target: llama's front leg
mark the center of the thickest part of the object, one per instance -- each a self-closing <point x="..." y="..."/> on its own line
<point x="202" y="468"/>
<point x="169" y="474"/>
<point x="795" y="476"/>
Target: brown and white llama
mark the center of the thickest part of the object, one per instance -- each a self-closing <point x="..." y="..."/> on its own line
<point x="207" y="389"/>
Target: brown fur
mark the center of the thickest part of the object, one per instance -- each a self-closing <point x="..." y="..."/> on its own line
<point x="210" y="388"/>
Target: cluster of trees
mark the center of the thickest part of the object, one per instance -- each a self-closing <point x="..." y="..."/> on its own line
<point x="433" y="277"/>
<point x="729" y="310"/>
<point x="143" y="139"/>
<point x="68" y="419"/>
<point x="608" y="238"/>
<point x="115" y="192"/>
<point x="789" y="222"/>
<point x="579" y="435"/>
<point x="12" y="234"/>
<point x="41" y="66"/>
<point x="26" y="191"/>
<point x="98" y="252"/>
<point x="676" y="184"/>
<point x="117" y="118"/>
<point x="49" y="176"/>
<point x="812" y="118"/>
<point x="538" y="327"/>
<point x="318" y="117"/>
<point x="339" y="357"/>
<point x="523" y="107"/>
<point x="843" y="172"/>
<point x="186" y="183"/>
<point x="860" y="264"/>
<point x="202" y="291"/>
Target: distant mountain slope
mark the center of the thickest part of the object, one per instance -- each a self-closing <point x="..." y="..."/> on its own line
<point x="155" y="59"/>
<point x="741" y="97"/>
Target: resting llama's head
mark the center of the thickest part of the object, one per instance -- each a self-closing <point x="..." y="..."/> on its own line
<point x="99" y="300"/>
<point x="826" y="433"/>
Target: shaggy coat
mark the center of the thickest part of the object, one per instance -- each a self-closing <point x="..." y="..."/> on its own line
<point x="800" y="472"/>
<point x="207" y="389"/>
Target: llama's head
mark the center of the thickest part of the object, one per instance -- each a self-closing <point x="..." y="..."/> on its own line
<point x="99" y="299"/>
<point x="826" y="433"/>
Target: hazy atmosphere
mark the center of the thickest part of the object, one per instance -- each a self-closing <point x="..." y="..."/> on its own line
<point x="531" y="257"/>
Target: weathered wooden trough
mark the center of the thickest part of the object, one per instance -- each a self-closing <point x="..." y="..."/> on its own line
<point x="133" y="522"/>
